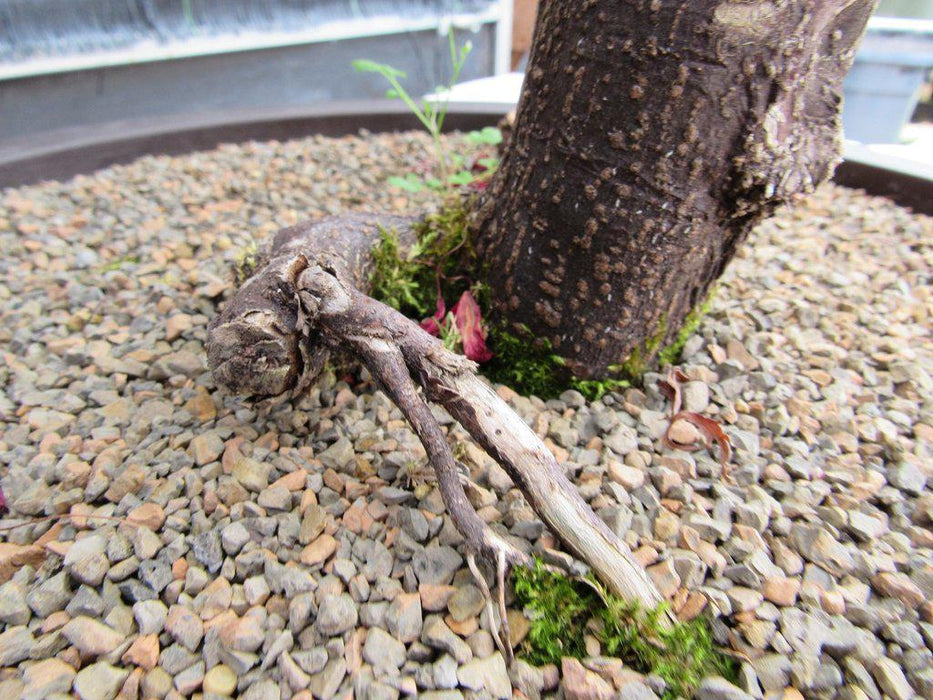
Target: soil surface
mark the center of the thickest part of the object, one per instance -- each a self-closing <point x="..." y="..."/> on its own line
<point x="302" y="549"/>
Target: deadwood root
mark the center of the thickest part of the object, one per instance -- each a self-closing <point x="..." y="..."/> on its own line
<point x="273" y="336"/>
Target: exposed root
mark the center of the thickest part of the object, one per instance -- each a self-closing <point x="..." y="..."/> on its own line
<point x="501" y="570"/>
<point x="346" y="323"/>
<point x="305" y="303"/>
<point x="498" y="619"/>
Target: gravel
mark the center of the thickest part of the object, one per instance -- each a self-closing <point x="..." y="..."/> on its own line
<point x="278" y="551"/>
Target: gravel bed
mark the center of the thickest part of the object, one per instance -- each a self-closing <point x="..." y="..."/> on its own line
<point x="302" y="550"/>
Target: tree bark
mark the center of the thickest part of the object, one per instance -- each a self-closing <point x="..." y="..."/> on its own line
<point x="650" y="137"/>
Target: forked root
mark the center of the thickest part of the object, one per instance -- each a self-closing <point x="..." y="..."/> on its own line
<point x="379" y="352"/>
<point x="498" y="627"/>
<point x="273" y="334"/>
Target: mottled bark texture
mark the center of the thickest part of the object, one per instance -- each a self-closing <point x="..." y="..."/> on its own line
<point x="305" y="300"/>
<point x="650" y="136"/>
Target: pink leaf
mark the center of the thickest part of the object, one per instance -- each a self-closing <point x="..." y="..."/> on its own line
<point x="432" y="323"/>
<point x="3" y="507"/>
<point x="670" y="387"/>
<point x="710" y="430"/>
<point x="470" y="324"/>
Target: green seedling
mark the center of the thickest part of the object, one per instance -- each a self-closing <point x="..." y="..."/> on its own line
<point x="452" y="171"/>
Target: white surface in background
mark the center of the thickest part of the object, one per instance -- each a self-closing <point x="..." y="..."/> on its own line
<point x="499" y="89"/>
<point x="914" y="154"/>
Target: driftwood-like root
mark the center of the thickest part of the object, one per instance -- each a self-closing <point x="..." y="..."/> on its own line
<point x="307" y="301"/>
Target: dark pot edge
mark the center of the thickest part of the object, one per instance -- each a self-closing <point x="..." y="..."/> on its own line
<point x="62" y="154"/>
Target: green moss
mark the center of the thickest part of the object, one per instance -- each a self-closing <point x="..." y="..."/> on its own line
<point x="527" y="365"/>
<point x="670" y="355"/>
<point x="636" y="363"/>
<point x="393" y="278"/>
<point x="120" y="262"/>
<point x="408" y="280"/>
<point x="247" y="263"/>
<point x="564" y="610"/>
<point x="531" y="367"/>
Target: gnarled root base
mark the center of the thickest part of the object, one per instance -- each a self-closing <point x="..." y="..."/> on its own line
<point x="272" y="339"/>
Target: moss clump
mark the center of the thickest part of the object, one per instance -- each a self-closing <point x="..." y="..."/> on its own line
<point x="635" y="365"/>
<point x="114" y="265"/>
<point x="441" y="260"/>
<point x="670" y="355"/>
<point x="409" y="281"/>
<point x="247" y="263"/>
<point x="531" y="367"/>
<point x="564" y="610"/>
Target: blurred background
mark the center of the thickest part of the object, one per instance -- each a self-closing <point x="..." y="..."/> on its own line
<point x="66" y="64"/>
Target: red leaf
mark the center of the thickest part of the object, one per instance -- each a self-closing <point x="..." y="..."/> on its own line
<point x="432" y="323"/>
<point x="478" y="167"/>
<point x="670" y="387"/>
<point x="470" y="324"/>
<point x="709" y="429"/>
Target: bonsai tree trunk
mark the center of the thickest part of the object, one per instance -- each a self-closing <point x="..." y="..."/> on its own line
<point x="650" y="137"/>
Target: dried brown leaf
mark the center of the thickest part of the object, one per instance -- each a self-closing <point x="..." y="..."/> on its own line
<point x="711" y="431"/>
<point x="670" y="387"/>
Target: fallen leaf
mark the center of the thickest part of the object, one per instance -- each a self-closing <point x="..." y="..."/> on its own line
<point x="432" y="323"/>
<point x="670" y="387"/>
<point x="470" y="324"/>
<point x="711" y="432"/>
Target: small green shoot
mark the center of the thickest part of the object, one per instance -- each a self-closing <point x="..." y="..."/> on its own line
<point x="450" y="334"/>
<point x="408" y="183"/>
<point x="452" y="170"/>
<point x="429" y="114"/>
<point x="488" y="135"/>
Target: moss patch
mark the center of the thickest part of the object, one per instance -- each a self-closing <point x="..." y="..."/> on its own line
<point x="564" y="610"/>
<point x="247" y="263"/>
<point x="531" y="367"/>
<point x="637" y="362"/>
<point x="438" y="261"/>
<point x="409" y="281"/>
<point x="114" y="265"/>
<point x="670" y="355"/>
<point x="442" y="259"/>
